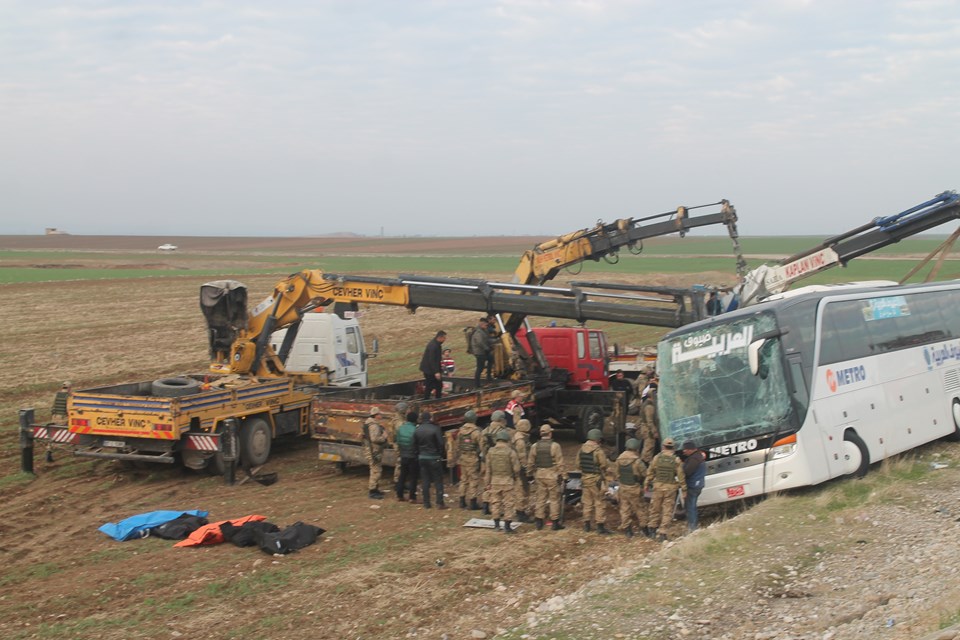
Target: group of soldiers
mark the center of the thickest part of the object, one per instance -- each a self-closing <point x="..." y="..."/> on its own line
<point x="512" y="479"/>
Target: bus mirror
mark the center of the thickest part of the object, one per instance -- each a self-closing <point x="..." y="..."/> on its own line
<point x="753" y="355"/>
<point x="376" y="345"/>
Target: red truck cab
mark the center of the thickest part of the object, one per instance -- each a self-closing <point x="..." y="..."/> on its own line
<point x="579" y="350"/>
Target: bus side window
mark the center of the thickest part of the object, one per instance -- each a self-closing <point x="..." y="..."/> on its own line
<point x="844" y="333"/>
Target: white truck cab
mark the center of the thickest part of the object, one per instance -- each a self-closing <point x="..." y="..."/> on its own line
<point x="327" y="340"/>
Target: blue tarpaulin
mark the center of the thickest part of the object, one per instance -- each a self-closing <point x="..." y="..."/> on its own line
<point x="136" y="526"/>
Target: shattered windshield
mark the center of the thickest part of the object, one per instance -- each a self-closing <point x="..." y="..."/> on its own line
<point x="707" y="393"/>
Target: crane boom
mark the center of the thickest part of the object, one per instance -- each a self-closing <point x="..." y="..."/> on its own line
<point x="880" y="232"/>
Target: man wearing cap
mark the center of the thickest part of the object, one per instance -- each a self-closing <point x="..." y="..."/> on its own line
<point x="520" y="441"/>
<point x="665" y="476"/>
<point x="431" y="450"/>
<point x="481" y="346"/>
<point x="631" y="472"/>
<point x="466" y="453"/>
<point x="374" y="441"/>
<point x="649" y="423"/>
<point x="503" y="467"/>
<point x="695" y="469"/>
<point x="58" y="414"/>
<point x="407" y="463"/>
<point x="593" y="465"/>
<point x="546" y="462"/>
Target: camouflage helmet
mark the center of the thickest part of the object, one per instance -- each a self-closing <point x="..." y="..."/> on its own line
<point x="401" y="407"/>
<point x="374" y="411"/>
<point x="668" y="443"/>
<point x="546" y="430"/>
<point x="594" y="434"/>
<point x="498" y="416"/>
<point x="470" y="415"/>
<point x="503" y="434"/>
<point x="523" y="425"/>
<point x="633" y="444"/>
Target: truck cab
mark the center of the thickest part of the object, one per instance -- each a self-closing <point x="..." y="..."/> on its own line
<point x="579" y="350"/>
<point x="327" y="340"/>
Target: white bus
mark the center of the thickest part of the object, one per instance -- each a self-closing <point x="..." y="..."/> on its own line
<point x="816" y="384"/>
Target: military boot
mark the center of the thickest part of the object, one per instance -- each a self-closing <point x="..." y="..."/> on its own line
<point x="648" y="532"/>
<point x="486" y="508"/>
<point x="539" y="523"/>
<point x="375" y="495"/>
<point x="602" y="529"/>
<point x="586" y="526"/>
<point x="496" y="524"/>
<point x="474" y="505"/>
<point x="557" y="526"/>
<point x="463" y="502"/>
<point x="628" y="532"/>
<point x="522" y="516"/>
<point x="507" y="528"/>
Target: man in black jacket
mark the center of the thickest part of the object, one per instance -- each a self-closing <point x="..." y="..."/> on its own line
<point x="430" y="365"/>
<point x="430" y="448"/>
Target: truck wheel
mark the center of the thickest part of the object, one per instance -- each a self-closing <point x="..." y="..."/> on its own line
<point x="255" y="440"/>
<point x="855" y="455"/>
<point x="174" y="387"/>
<point x="591" y="417"/>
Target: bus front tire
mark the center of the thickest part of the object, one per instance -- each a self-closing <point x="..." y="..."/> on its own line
<point x="856" y="455"/>
<point x="955" y="436"/>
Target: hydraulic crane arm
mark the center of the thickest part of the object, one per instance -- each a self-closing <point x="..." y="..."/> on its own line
<point x="767" y="280"/>
<point x="245" y="348"/>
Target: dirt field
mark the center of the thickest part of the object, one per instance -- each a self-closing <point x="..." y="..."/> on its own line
<point x="383" y="569"/>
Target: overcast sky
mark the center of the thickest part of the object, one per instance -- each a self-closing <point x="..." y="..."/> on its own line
<point x="471" y="118"/>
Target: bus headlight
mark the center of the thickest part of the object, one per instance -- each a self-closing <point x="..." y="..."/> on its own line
<point x="783" y="447"/>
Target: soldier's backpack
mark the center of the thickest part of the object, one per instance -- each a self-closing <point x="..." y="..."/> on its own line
<point x="468" y="334"/>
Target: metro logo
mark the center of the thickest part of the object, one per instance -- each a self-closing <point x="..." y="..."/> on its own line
<point x="843" y="377"/>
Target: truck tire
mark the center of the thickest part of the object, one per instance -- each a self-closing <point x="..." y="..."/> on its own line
<point x="591" y="417"/>
<point x="255" y="440"/>
<point x="175" y="387"/>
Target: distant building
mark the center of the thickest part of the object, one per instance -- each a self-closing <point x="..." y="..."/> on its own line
<point x="53" y="231"/>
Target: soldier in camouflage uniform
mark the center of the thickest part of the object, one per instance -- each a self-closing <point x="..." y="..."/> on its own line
<point x="521" y="444"/>
<point x="666" y="477"/>
<point x="649" y="425"/>
<point x="498" y="422"/>
<point x="593" y="465"/>
<point x="546" y="462"/>
<point x="374" y="441"/>
<point x="503" y="467"/>
<point x="399" y="417"/>
<point x="632" y="473"/>
<point x="466" y="453"/>
<point x="58" y="414"/>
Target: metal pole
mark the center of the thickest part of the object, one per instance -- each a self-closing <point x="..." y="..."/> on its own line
<point x="26" y="441"/>
<point x="228" y="448"/>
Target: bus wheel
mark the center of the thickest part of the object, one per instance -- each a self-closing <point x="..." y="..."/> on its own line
<point x="855" y="455"/>
<point x="255" y="440"/>
<point x="955" y="436"/>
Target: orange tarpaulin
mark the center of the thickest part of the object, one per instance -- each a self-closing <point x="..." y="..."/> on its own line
<point x="211" y="534"/>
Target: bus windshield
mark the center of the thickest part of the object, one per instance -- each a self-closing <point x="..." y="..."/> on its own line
<point x="707" y="392"/>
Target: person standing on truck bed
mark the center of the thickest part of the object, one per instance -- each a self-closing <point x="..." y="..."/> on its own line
<point x="481" y="346"/>
<point x="374" y="441"/>
<point x="430" y="365"/>
<point x="503" y="468"/>
<point x="407" y="458"/>
<point x="429" y="446"/>
<point x="546" y="464"/>
<point x="466" y="453"/>
<point x="593" y="465"/>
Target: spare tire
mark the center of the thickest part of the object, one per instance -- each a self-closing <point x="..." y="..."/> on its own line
<point x="175" y="387"/>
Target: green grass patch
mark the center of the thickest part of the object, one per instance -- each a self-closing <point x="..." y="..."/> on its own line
<point x="250" y="584"/>
<point x="950" y="619"/>
<point x="37" y="571"/>
<point x="16" y="479"/>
